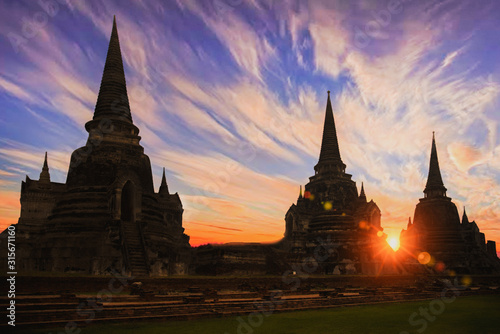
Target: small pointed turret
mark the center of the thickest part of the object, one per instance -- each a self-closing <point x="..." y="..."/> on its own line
<point x="163" y="186"/>
<point x="434" y="186"/>
<point x="45" y="175"/>
<point x="330" y="153"/>
<point x="300" y="193"/>
<point x="409" y="223"/>
<point x="362" y="192"/>
<point x="112" y="102"/>
<point x="465" y="219"/>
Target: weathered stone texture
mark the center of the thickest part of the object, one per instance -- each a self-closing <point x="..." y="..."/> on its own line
<point x="107" y="214"/>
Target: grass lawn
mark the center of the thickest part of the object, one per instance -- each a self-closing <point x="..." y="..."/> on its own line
<point x="477" y="314"/>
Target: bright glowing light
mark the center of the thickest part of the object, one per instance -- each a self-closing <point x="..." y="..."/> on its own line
<point x="466" y="280"/>
<point x="440" y="266"/>
<point x="424" y="258"/>
<point x="328" y="206"/>
<point x="394" y="243"/>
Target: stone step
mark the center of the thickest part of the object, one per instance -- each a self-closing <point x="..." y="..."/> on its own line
<point x="136" y="257"/>
<point x="135" y="253"/>
<point x="138" y="265"/>
<point x="138" y="262"/>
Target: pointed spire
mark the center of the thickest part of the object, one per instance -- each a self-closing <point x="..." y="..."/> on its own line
<point x="45" y="164"/>
<point x="362" y="192"/>
<point x="329" y="145"/>
<point x="45" y="175"/>
<point x="163" y="186"/>
<point x="465" y="219"/>
<point x="434" y="186"/>
<point x="112" y="102"/>
<point x="300" y="193"/>
<point x="409" y="222"/>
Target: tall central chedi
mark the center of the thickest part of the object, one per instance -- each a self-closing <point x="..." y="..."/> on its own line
<point x="107" y="215"/>
<point x="330" y="210"/>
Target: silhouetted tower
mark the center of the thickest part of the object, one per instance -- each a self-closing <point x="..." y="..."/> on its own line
<point x="436" y="224"/>
<point x="44" y="175"/>
<point x="465" y="219"/>
<point x="331" y="209"/>
<point x="434" y="187"/>
<point x="109" y="214"/>
<point x="362" y="195"/>
<point x="163" y="186"/>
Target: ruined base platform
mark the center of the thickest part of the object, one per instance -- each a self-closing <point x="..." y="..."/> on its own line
<point x="49" y="302"/>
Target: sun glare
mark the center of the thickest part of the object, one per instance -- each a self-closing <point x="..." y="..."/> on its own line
<point x="393" y="242"/>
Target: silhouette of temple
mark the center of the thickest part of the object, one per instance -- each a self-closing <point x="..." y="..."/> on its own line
<point x="331" y="209"/>
<point x="107" y="214"/>
<point x="329" y="215"/>
<point x="437" y="230"/>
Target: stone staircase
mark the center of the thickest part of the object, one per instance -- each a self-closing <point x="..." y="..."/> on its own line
<point x="137" y="259"/>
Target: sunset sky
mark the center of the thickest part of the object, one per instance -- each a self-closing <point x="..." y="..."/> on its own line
<point x="230" y="95"/>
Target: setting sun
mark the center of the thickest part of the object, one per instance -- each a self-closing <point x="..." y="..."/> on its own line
<point x="393" y="242"/>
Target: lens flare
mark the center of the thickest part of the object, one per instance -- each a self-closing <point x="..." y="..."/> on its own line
<point x="424" y="258"/>
<point x="380" y="234"/>
<point x="328" y="205"/>
<point x="440" y="266"/>
<point x="466" y="280"/>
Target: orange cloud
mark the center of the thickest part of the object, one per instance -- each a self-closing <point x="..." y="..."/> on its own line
<point x="465" y="156"/>
<point x="9" y="208"/>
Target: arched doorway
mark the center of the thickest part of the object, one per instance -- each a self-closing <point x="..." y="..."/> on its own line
<point x="127" y="204"/>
